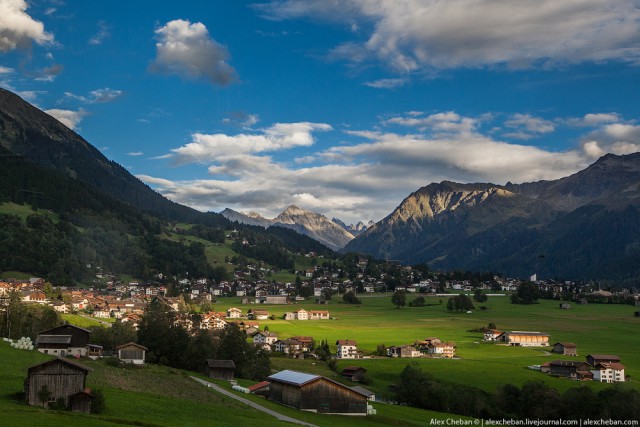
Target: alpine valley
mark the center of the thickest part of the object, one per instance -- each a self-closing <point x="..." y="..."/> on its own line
<point x="584" y="226"/>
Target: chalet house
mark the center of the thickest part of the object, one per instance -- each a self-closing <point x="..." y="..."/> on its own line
<point x="289" y="315"/>
<point x="62" y="378"/>
<point x="442" y="350"/>
<point x="410" y="351"/>
<point x="220" y="369"/>
<point x="354" y="373"/>
<point x="566" y="348"/>
<point x="570" y="369"/>
<point x="318" y="315"/>
<point x="393" y="351"/>
<point x="265" y="337"/>
<point x="594" y="359"/>
<point x="306" y="343"/>
<point x="234" y="313"/>
<point x="315" y="393"/>
<point x="36" y="297"/>
<point x="347" y="349"/>
<point x="608" y="372"/>
<point x="213" y="320"/>
<point x="524" y="338"/>
<point x="491" y="335"/>
<point x="60" y="307"/>
<point x="258" y="314"/>
<point x="63" y="341"/>
<point x="302" y="314"/>
<point x="132" y="353"/>
<point x="423" y="345"/>
<point x="285" y="346"/>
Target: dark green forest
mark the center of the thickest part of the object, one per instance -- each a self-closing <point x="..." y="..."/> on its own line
<point x="75" y="228"/>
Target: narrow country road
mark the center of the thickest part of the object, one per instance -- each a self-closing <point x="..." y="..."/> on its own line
<point x="252" y="404"/>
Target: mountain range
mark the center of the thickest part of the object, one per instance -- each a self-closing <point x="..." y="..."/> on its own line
<point x="334" y="233"/>
<point x="584" y="226"/>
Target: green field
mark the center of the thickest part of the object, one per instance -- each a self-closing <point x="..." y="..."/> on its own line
<point x="162" y="396"/>
<point x="595" y="328"/>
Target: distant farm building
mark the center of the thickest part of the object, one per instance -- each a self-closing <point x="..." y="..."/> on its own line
<point x="566" y="348"/>
<point x="491" y="335"/>
<point x="55" y="379"/>
<point x="524" y="338"/>
<point x="220" y="369"/>
<point x="315" y="393"/>
<point x="354" y="373"/>
<point x="570" y="369"/>
<point x="594" y="359"/>
<point x="63" y="340"/>
<point x="132" y="353"/>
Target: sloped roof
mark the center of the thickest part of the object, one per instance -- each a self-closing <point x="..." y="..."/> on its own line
<point x="53" y="339"/>
<point x="58" y="360"/>
<point x="293" y="377"/>
<point x="131" y="344"/>
<point x="213" y="363"/>
<point x="258" y="386"/>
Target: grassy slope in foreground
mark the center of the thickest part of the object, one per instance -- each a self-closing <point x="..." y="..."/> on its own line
<point x="162" y="396"/>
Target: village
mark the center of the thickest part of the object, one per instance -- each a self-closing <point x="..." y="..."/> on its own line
<point x="193" y="309"/>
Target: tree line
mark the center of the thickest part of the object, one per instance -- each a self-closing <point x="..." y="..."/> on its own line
<point x="534" y="400"/>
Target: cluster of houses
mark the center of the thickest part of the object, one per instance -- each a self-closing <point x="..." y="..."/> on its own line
<point x="428" y="347"/>
<point x="603" y="368"/>
<point x="597" y="367"/>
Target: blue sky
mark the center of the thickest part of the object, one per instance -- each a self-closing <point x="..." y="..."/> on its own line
<point x="343" y="107"/>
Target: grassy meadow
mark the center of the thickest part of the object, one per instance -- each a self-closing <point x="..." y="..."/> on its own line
<point x="162" y="396"/>
<point x="595" y="328"/>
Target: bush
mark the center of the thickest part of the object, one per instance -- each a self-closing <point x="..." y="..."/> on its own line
<point x="98" y="405"/>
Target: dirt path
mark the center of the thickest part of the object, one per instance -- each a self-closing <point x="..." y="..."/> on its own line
<point x="252" y="404"/>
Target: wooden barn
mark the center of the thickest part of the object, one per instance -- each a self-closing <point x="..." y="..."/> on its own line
<point x="55" y="379"/>
<point x="220" y="369"/>
<point x="315" y="393"/>
<point x="566" y="348"/>
<point x="63" y="340"/>
<point x="354" y="373"/>
<point x="132" y="353"/>
<point x="570" y="369"/>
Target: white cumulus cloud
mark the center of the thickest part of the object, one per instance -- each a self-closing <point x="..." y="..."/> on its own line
<point x="186" y="49"/>
<point x="213" y="147"/>
<point x="368" y="174"/>
<point x="411" y="35"/>
<point x="69" y="118"/>
<point x="17" y="29"/>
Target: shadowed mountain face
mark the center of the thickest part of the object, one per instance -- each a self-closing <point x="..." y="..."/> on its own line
<point x="41" y="139"/>
<point x="583" y="226"/>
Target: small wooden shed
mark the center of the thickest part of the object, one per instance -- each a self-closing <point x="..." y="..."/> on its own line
<point x="315" y="393"/>
<point x="132" y="353"/>
<point x="49" y="381"/>
<point x="81" y="401"/>
<point x="220" y="369"/>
